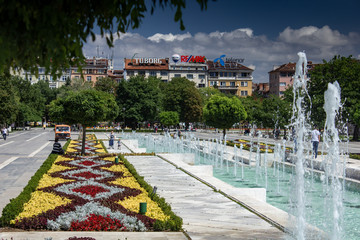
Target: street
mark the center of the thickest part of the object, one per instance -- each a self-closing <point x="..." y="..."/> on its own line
<point x="21" y="155"/>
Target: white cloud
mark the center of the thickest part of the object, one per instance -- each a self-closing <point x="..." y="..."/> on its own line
<point x="258" y="51"/>
<point x="169" y="37"/>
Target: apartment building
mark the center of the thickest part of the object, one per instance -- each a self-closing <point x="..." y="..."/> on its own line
<point x="281" y="77"/>
<point x="93" y="69"/>
<point x="194" y="71"/>
<point x="42" y="75"/>
<point x="230" y="77"/>
<point x="149" y="66"/>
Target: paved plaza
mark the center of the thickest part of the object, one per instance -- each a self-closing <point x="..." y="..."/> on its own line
<point x="210" y="209"/>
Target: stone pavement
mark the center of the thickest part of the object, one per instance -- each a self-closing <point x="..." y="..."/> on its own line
<point x="207" y="214"/>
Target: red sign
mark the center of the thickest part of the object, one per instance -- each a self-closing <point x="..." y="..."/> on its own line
<point x="191" y="58"/>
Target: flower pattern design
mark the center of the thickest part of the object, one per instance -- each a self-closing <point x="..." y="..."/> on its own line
<point x="86" y="193"/>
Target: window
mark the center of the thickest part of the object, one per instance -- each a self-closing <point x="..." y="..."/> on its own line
<point x="43" y="77"/>
<point x="189" y="76"/>
<point x="63" y="78"/>
<point x="221" y="74"/>
<point x="201" y="76"/>
<point x="222" y="83"/>
<point x="201" y="85"/>
<point x="234" y="74"/>
<point x="164" y="81"/>
<point x="283" y="74"/>
<point x="282" y="84"/>
<point x="244" y="84"/>
<point x="244" y="93"/>
<point x="88" y="78"/>
<point x="213" y="83"/>
<point x="130" y="73"/>
<point x="163" y="73"/>
<point x="213" y="74"/>
<point x="177" y="75"/>
<point x="41" y="70"/>
<point x="153" y="73"/>
<point x="30" y="78"/>
<point x="77" y="77"/>
<point x="244" y="74"/>
<point x="141" y="73"/>
<point x="232" y="84"/>
<point x="281" y="93"/>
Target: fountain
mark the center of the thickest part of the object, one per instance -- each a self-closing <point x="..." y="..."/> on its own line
<point x="312" y="198"/>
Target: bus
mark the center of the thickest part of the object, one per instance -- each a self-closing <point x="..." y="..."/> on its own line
<point x="62" y="132"/>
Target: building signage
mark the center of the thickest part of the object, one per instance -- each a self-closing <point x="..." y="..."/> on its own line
<point x="191" y="58"/>
<point x="148" y="60"/>
<point x="230" y="59"/>
<point x="238" y="60"/>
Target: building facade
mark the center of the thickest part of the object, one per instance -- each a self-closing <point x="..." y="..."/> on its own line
<point x="282" y="77"/>
<point x="42" y="75"/>
<point x="194" y="71"/>
<point x="92" y="70"/>
<point x="156" y="67"/>
<point x="231" y="78"/>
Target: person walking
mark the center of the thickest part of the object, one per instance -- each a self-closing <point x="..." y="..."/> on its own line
<point x="119" y="144"/>
<point x="4" y="132"/>
<point x="111" y="140"/>
<point x="315" y="139"/>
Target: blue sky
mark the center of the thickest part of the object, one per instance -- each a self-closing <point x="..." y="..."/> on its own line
<point x="264" y="33"/>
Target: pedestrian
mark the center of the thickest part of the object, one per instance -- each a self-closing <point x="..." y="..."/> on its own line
<point x="57" y="149"/>
<point x="4" y="132"/>
<point x="315" y="139"/>
<point x="111" y="140"/>
<point x="119" y="144"/>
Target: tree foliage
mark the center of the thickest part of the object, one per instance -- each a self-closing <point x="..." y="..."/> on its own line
<point x="9" y="101"/>
<point x="139" y="99"/>
<point x="54" y="32"/>
<point x="181" y="96"/>
<point x="224" y="112"/>
<point x="345" y="70"/>
<point x="86" y="107"/>
<point x="107" y="85"/>
<point x="169" y="118"/>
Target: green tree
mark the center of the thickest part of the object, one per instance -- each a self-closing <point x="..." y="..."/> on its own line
<point x="86" y="107"/>
<point x="106" y="84"/>
<point x="207" y="92"/>
<point x="169" y="118"/>
<point x="48" y="93"/>
<point x="53" y="33"/>
<point x="9" y="100"/>
<point x="32" y="101"/>
<point x="224" y="112"/>
<point x="276" y="112"/>
<point x="140" y="100"/>
<point x="345" y="70"/>
<point x="181" y="96"/>
<point x="254" y="109"/>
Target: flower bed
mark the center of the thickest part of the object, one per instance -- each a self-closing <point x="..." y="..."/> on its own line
<point x="92" y="193"/>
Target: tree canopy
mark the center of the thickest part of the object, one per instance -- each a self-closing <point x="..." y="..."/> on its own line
<point x="181" y="96"/>
<point x="224" y="112"/>
<point x="139" y="100"/>
<point x="52" y="33"/>
<point x="169" y="118"/>
<point x="86" y="107"/>
<point x="345" y="70"/>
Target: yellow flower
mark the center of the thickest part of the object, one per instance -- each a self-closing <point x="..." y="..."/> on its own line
<point x="56" y="168"/>
<point x="152" y="209"/>
<point x="48" y="181"/>
<point x="41" y="202"/>
<point x="119" y="168"/>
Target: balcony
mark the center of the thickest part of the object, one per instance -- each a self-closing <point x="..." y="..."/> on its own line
<point x="228" y="87"/>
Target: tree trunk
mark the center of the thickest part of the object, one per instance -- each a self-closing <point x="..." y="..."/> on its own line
<point x="224" y="133"/>
<point x="83" y="141"/>
<point x="356" y="133"/>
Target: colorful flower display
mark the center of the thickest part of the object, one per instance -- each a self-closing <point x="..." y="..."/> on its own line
<point x="88" y="193"/>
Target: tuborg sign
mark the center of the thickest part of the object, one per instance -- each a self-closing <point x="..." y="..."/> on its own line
<point x="148" y="60"/>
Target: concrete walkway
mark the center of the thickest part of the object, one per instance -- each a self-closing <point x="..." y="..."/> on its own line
<point x="207" y="214"/>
